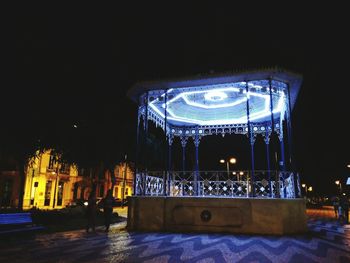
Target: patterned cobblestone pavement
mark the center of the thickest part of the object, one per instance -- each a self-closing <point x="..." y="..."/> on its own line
<point x="326" y="241"/>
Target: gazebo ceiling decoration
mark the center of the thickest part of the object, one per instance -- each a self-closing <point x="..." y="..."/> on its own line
<point x="218" y="104"/>
<point x="215" y="106"/>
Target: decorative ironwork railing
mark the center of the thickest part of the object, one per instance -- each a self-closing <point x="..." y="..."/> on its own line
<point x="264" y="184"/>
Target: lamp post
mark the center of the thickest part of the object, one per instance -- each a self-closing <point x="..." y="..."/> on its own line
<point x="240" y="176"/>
<point x="56" y="181"/>
<point x="124" y="178"/>
<point x="232" y="161"/>
<point x="307" y="189"/>
<point x="337" y="182"/>
<point x="31" y="199"/>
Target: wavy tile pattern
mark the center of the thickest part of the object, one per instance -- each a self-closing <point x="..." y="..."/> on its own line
<point x="327" y="241"/>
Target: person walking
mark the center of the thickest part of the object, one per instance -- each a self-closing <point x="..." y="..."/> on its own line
<point x="107" y="204"/>
<point x="344" y="204"/>
<point x="91" y="212"/>
<point x="336" y="206"/>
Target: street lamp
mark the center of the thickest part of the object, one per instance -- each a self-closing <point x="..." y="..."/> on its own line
<point x="304" y="186"/>
<point x="232" y="161"/>
<point x="307" y="189"/>
<point x="337" y="182"/>
<point x="56" y="181"/>
<point x="124" y="178"/>
<point x="348" y="166"/>
<point x="240" y="176"/>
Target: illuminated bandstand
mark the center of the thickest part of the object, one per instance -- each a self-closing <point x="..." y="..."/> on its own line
<point x="257" y="103"/>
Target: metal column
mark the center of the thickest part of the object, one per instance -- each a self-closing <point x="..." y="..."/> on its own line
<point x="145" y="163"/>
<point x="251" y="141"/>
<point x="267" y="143"/>
<point x="170" y="142"/>
<point x="282" y="160"/>
<point x="183" y="144"/>
<point x="165" y="176"/>
<point x="272" y="132"/>
<point x="196" y="181"/>
<point x="289" y="131"/>
<point x="290" y="145"/>
<point x="137" y="151"/>
<point x="282" y="149"/>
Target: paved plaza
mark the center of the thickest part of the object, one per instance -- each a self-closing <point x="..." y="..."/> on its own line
<point x="326" y="241"/>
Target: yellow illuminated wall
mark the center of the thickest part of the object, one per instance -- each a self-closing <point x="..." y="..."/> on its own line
<point x="47" y="189"/>
<point x="44" y="186"/>
<point x="123" y="171"/>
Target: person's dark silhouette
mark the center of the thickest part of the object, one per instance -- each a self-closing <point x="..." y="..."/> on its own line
<point x="91" y="212"/>
<point x="344" y="204"/>
<point x="107" y="203"/>
<point x="336" y="206"/>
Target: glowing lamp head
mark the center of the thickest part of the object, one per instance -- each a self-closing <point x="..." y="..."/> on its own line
<point x="310" y="188"/>
<point x="234" y="173"/>
<point x="337" y="182"/>
<point x="233" y="160"/>
<point x="303" y="185"/>
<point x="348" y="166"/>
<point x="222" y="161"/>
<point x="86" y="203"/>
<point x="241" y="173"/>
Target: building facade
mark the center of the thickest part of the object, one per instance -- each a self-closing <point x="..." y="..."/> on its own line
<point x="50" y="184"/>
<point x="53" y="185"/>
<point x="9" y="187"/>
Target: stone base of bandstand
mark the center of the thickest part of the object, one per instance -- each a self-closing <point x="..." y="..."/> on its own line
<point x="217" y="214"/>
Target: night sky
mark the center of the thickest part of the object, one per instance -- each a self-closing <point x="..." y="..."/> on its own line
<point x="74" y="65"/>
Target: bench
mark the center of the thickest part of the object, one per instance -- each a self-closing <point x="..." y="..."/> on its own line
<point x="17" y="223"/>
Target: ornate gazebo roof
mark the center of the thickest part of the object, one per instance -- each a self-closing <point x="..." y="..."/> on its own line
<point x="218" y="103"/>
